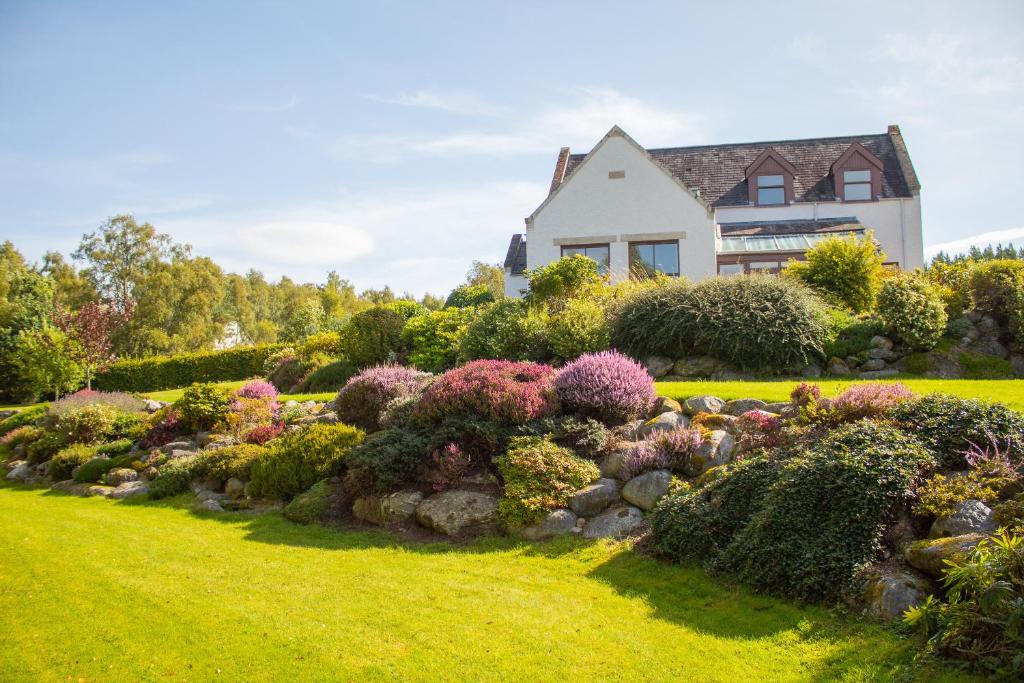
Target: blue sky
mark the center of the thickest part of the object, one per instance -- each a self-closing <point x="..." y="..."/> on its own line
<point x="396" y="142"/>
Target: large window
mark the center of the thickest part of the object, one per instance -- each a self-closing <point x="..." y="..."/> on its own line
<point x="598" y="252"/>
<point x="856" y="186"/>
<point x="771" y="189"/>
<point x="648" y="258"/>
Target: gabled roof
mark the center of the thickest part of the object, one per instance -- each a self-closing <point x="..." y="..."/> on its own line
<point x="717" y="172"/>
<point x="515" y="257"/>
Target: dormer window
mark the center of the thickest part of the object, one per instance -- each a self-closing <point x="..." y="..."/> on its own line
<point x="857" y="186"/>
<point x="771" y="189"/>
<point x="857" y="175"/>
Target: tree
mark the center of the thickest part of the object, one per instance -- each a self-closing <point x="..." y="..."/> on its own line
<point x="26" y="299"/>
<point x="378" y="296"/>
<point x="70" y="288"/>
<point x="90" y="328"/>
<point x="44" y="360"/>
<point x="491" y="276"/>
<point x="308" y="320"/>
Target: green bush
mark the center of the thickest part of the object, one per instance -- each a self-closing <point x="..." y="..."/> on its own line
<point x="912" y="307"/>
<point x="114" y="448"/>
<point x="580" y="327"/>
<point x="27" y="416"/>
<point x="67" y="459"/>
<point x="846" y="268"/>
<point x="983" y="366"/>
<point x="433" y="339"/>
<point x="941" y="496"/>
<point x="849" y="335"/>
<point x="386" y="461"/>
<point x="995" y="287"/>
<point x="539" y="476"/>
<point x="173" y="477"/>
<point x="202" y="406"/>
<point x="231" y="461"/>
<point x="93" y="470"/>
<point x="755" y="322"/>
<point x="585" y="436"/>
<point x="372" y="336"/>
<point x="466" y="296"/>
<point x="43" y="448"/>
<point x="310" y="507"/>
<point x="563" y="279"/>
<point x="87" y="424"/>
<point x="170" y="372"/>
<point x="948" y="426"/>
<point x="507" y="330"/>
<point x="330" y="377"/>
<point x="301" y="458"/>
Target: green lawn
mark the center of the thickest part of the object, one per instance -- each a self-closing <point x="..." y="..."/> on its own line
<point x="96" y="590"/>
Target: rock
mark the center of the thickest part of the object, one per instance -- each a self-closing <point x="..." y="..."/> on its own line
<point x="1017" y="363"/>
<point x="21" y="471"/>
<point x="206" y="485"/>
<point x="888" y="593"/>
<point x="556" y="523"/>
<point x="988" y="325"/>
<point x="658" y="366"/>
<point x="717" y="449"/>
<point x="742" y="405"/>
<point x="930" y="555"/>
<point x="629" y="430"/>
<point x="703" y="404"/>
<point x="647" y="489"/>
<point x="99" y="490"/>
<point x="697" y="366"/>
<point x="779" y="407"/>
<point x="457" y="512"/>
<point x="873" y="364"/>
<point x="878" y="374"/>
<point x="69" y="486"/>
<point x="4" y="414"/>
<point x="150" y="473"/>
<point x="151" y="406"/>
<point x="901" y="533"/>
<point x="837" y="366"/>
<point x="887" y="355"/>
<point x="390" y="509"/>
<point x="121" y="475"/>
<point x="177" y="454"/>
<point x="990" y="346"/>
<point x="204" y="495"/>
<point x="235" y="488"/>
<point x="665" y="405"/>
<point x="880" y="342"/>
<point x="129" y="489"/>
<point x="615" y="523"/>
<point x="592" y="499"/>
<point x="611" y="464"/>
<point x="179" y="445"/>
<point x="211" y="505"/>
<point x="974" y="316"/>
<point x="665" y="422"/>
<point x="720" y="421"/>
<point x="811" y="371"/>
<point x="971" y="517"/>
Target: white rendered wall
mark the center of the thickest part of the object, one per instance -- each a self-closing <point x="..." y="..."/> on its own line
<point x="515" y="285"/>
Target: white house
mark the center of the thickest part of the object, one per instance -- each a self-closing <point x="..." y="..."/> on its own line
<point x="727" y="209"/>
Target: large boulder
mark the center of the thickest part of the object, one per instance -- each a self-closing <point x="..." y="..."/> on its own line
<point x="665" y="422"/>
<point x="873" y="365"/>
<point x="717" y="449"/>
<point x="888" y="592"/>
<point x="129" y="489"/>
<point x="879" y="374"/>
<point x="121" y="475"/>
<point x="971" y="517"/>
<point x="880" y="342"/>
<point x="556" y="523"/>
<point x="703" y="404"/>
<point x="837" y="366"/>
<point x="389" y="509"/>
<point x="739" y="406"/>
<point x="612" y="464"/>
<point x="699" y="367"/>
<point x="615" y="523"/>
<point x="458" y="512"/>
<point x="592" y="499"/>
<point x="647" y="489"/>
<point x="178" y="445"/>
<point x="658" y="366"/>
<point x="21" y="471"/>
<point x="930" y="555"/>
<point x="665" y="404"/>
<point x="100" y="490"/>
<point x="235" y="488"/>
<point x="887" y="355"/>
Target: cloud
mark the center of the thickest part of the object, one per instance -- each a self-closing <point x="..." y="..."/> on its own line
<point x="994" y="237"/>
<point x="464" y="103"/>
<point x="957" y="64"/>
<point x="112" y="171"/>
<point x="291" y="103"/>
<point x="580" y="124"/>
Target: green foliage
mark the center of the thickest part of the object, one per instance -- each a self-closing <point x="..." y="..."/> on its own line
<point x="27" y="416"/>
<point x="911" y="306"/>
<point x="202" y="406"/>
<point x="173" y="477"/>
<point x="43" y="448"/>
<point x="995" y="287"/>
<point x="433" y="339"/>
<point x="941" y="495"/>
<point x="847" y="268"/>
<point x="326" y="343"/>
<point x="981" y="622"/>
<point x="171" y="372"/>
<point x="231" y="461"/>
<point x="405" y="308"/>
<point x="506" y="330"/>
<point x="114" y="448"/>
<point x="45" y="362"/>
<point x="87" y="424"/>
<point x="372" y="336"/>
<point x="307" y="320"/>
<point x="93" y="470"/>
<point x="539" y="476"/>
<point x="386" y="461"/>
<point x="467" y="296"/>
<point x="585" y="436"/>
<point x="579" y="327"/>
<point x="983" y="366"/>
<point x="330" y="377"/>
<point x="755" y="322"/>
<point x="568" y="277"/>
<point x="849" y="335"/>
<point x="26" y="303"/>
<point x="67" y="459"/>
<point x="310" y="507"/>
<point x="299" y="459"/>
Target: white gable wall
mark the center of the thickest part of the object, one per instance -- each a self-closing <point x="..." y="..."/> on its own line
<point x="646" y="204"/>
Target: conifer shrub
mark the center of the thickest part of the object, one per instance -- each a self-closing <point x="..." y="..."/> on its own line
<point x="330" y="377"/>
<point x="93" y="470"/>
<point x="299" y="459"/>
<point x="173" y="477"/>
<point x="607" y="385"/>
<point x="230" y="461"/>
<point x="387" y="461"/>
<point x="585" y="436"/>
<point x="505" y="392"/>
<point x="202" y="407"/>
<point x="846" y="268"/>
<point x="539" y="476"/>
<point x="22" y="418"/>
<point x="310" y="507"/>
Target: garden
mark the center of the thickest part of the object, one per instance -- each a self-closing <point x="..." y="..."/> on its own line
<point x="630" y="438"/>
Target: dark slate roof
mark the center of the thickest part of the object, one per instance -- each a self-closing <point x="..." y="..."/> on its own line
<point x="515" y="258"/>
<point x="717" y="172"/>
<point x="791" y="227"/>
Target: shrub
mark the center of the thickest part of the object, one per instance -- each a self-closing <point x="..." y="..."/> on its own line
<point x="173" y="478"/>
<point x="645" y="456"/>
<point x="256" y="389"/>
<point x="202" y="406"/>
<point x="287" y="373"/>
<point x="981" y="621"/>
<point x="261" y="434"/>
<point x="386" y="461"/>
<point x="364" y="397"/>
<point x="912" y="307"/>
<point x="506" y="392"/>
<point x="372" y="336"/>
<point x="539" y="476"/>
<point x="321" y="344"/>
<point x="311" y="506"/>
<point x="759" y="429"/>
<point x="46" y="446"/>
<point x="21" y="435"/>
<point x="847" y="268"/>
<point x="948" y="426"/>
<point x="850" y="335"/>
<point x="406" y="308"/>
<point x="562" y="279"/>
<point x="28" y="416"/>
<point x="247" y="414"/>
<point x="871" y="399"/>
<point x="87" y="424"/>
<point x="118" y="400"/>
<point x="433" y="339"/>
<point x="995" y="288"/>
<point x="452" y="464"/>
<point x="93" y="470"/>
<point x="67" y="459"/>
<point x="465" y="296"/>
<point x="585" y="436"/>
<point x="114" y="448"/>
<point x="330" y="377"/>
<point x="169" y="372"/>
<point x="230" y="461"/>
<point x="940" y="496"/>
<point x="606" y="385"/>
<point x="756" y="322"/>
<point x="476" y="436"/>
<point x="580" y="327"/>
<point x="299" y="459"/>
<point x="506" y="330"/>
<point x="129" y="426"/>
<point x="166" y="426"/>
<point x="983" y="366"/>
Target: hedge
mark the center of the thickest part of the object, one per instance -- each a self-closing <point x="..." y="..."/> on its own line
<point x="170" y="372"/>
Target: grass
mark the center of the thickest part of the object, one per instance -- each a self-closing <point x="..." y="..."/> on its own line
<point x="96" y="590"/>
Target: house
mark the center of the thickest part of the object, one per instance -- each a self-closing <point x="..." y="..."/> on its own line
<point x="721" y="209"/>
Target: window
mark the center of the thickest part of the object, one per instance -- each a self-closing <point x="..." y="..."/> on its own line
<point x="771" y="189"/>
<point x="598" y="252"/>
<point x="856" y="186"/>
<point x="763" y="267"/>
<point x="648" y="258"/>
<point x="730" y="269"/>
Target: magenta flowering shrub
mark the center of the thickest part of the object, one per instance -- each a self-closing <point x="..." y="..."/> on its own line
<point x="867" y="400"/>
<point x="759" y="429"/>
<point x="806" y="395"/>
<point x="364" y="397"/>
<point x="679" y="444"/>
<point x="502" y="391"/>
<point x="607" y="385"/>
<point x="645" y="456"/>
<point x="452" y="465"/>
<point x="89" y="397"/>
<point x="257" y="388"/>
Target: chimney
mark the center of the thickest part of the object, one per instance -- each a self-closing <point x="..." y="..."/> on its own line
<point x="904" y="158"/>
<point x="563" y="160"/>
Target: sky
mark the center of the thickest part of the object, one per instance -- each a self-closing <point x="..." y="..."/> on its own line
<point x="396" y="142"/>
